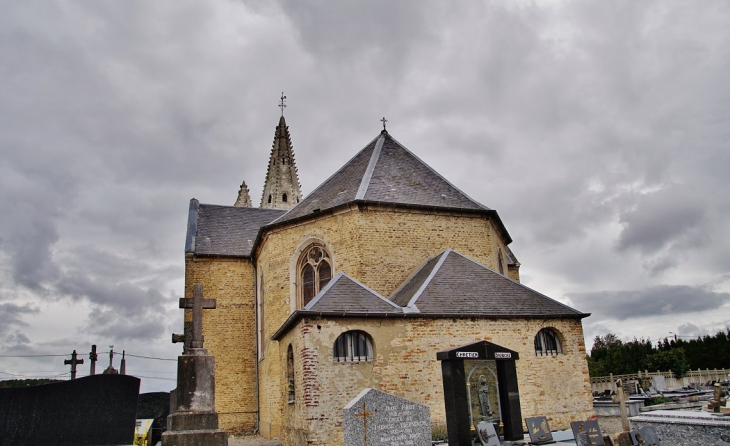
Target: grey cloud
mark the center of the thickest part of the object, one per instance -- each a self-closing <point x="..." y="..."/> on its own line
<point x="661" y="218"/>
<point x="654" y="301"/>
<point x="11" y="314"/>
<point x="689" y="329"/>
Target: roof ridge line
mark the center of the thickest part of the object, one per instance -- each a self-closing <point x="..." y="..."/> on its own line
<point x="365" y="183"/>
<point x="518" y="283"/>
<point x="325" y="181"/>
<point x="323" y="291"/>
<point x="439" y="175"/>
<point x="393" y="304"/>
<point x="436" y="267"/>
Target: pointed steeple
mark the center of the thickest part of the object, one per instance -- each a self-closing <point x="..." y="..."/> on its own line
<point x="244" y="199"/>
<point x="281" y="189"/>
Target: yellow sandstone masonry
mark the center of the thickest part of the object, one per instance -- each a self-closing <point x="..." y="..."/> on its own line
<point x="229" y="335"/>
<point x="405" y="365"/>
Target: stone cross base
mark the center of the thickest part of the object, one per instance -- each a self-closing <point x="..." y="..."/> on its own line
<point x="194" y="422"/>
<point x="195" y="438"/>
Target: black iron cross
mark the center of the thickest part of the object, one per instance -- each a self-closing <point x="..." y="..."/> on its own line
<point x="73" y="362"/>
<point x="384" y="121"/>
<point x="198" y="304"/>
<point x="365" y="415"/>
<point x="282" y="105"/>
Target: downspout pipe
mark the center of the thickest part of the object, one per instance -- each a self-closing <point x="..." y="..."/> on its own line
<point x="256" y="340"/>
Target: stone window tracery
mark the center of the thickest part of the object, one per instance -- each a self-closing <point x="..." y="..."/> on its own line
<point x="315" y="271"/>
<point x="547" y="343"/>
<point x="353" y="346"/>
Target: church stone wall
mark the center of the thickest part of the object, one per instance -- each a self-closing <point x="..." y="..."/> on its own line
<point x="405" y="365"/>
<point x="229" y="335"/>
<point x="379" y="246"/>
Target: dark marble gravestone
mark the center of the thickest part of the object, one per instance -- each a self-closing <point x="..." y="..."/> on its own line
<point x="539" y="430"/>
<point x="456" y="396"/>
<point x="378" y="418"/>
<point x="587" y="433"/>
<point x="94" y="410"/>
<point x="648" y="434"/>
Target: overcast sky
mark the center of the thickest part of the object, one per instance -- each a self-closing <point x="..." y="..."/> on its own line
<point x="598" y="130"/>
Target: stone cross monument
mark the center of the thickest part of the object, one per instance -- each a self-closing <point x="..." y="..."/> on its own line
<point x="194" y="420"/>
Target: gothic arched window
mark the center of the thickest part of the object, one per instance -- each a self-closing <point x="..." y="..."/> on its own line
<point x="353" y="346"/>
<point x="315" y="271"/>
<point x="269" y="198"/>
<point x="547" y="343"/>
<point x="283" y="198"/>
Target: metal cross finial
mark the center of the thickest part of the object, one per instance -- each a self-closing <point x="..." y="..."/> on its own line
<point x="384" y="121"/>
<point x="282" y="105"/>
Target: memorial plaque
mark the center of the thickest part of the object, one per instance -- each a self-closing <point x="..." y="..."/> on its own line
<point x="378" y="418"/>
<point x="487" y="434"/>
<point x="648" y="434"/>
<point x="587" y="433"/>
<point x="539" y="430"/>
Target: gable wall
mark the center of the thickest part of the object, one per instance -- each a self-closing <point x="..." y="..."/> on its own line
<point x="229" y="335"/>
<point x="405" y="365"/>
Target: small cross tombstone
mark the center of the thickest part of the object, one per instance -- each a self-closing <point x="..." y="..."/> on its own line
<point x="539" y="430"/>
<point x="587" y="433"/>
<point x="73" y="362"/>
<point x="718" y="401"/>
<point x="376" y="418"/>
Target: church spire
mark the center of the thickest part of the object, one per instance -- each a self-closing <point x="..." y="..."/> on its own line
<point x="244" y="199"/>
<point x="281" y="189"/>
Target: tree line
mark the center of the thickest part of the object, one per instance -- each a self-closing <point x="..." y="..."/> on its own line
<point x="611" y="355"/>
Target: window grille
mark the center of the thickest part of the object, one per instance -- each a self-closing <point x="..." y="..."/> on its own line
<point x="353" y="346"/>
<point x="547" y="343"/>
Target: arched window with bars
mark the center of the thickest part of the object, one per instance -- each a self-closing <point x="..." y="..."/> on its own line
<point x="353" y="346"/>
<point x="547" y="343"/>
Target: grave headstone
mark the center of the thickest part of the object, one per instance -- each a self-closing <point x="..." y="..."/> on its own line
<point x="587" y="433"/>
<point x="487" y="434"/>
<point x="193" y="419"/>
<point x="539" y="430"/>
<point x="377" y="418"/>
<point x="648" y="434"/>
<point x="659" y="383"/>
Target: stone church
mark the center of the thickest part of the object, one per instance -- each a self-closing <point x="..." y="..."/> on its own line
<point x="359" y="284"/>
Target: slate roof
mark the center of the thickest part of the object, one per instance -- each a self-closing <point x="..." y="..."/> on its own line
<point x="459" y="285"/>
<point x="345" y="294"/>
<point x="225" y="230"/>
<point x="384" y="171"/>
<point x="448" y="285"/>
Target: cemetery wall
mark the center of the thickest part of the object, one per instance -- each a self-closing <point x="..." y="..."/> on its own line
<point x="405" y="365"/>
<point x="229" y="335"/>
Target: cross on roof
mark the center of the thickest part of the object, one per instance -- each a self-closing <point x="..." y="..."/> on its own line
<point x="282" y="105"/>
<point x="384" y="121"/>
<point x="365" y="415"/>
<point x="198" y="304"/>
